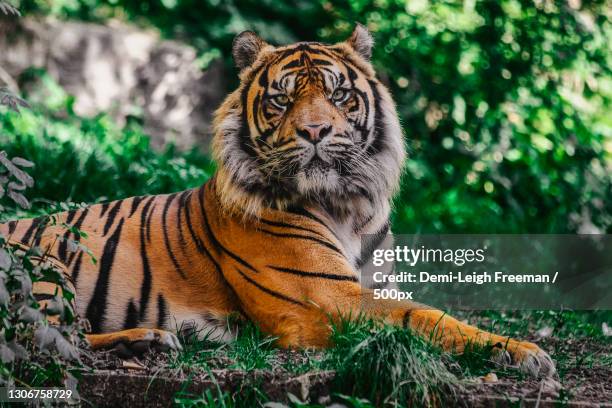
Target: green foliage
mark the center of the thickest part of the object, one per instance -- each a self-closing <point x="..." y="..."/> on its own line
<point x="390" y="366"/>
<point x="506" y="105"/>
<point x="90" y="159"/>
<point x="32" y="352"/>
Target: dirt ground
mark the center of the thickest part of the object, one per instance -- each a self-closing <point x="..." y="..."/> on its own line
<point x="583" y="365"/>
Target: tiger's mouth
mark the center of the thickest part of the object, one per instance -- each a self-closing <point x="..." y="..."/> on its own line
<point x="317" y="165"/>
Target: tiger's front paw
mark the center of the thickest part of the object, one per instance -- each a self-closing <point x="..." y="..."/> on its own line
<point x="135" y="342"/>
<point x="526" y="356"/>
<point x="154" y="339"/>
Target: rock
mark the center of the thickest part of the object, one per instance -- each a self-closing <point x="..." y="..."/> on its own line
<point x="133" y="365"/>
<point x="548" y="387"/>
<point x="544" y="332"/>
<point x="118" y="69"/>
<point x="490" y="378"/>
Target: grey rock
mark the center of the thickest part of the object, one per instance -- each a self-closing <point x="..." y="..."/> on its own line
<point x="121" y="70"/>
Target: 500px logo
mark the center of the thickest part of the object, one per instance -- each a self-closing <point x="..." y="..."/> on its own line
<point x="392" y="294"/>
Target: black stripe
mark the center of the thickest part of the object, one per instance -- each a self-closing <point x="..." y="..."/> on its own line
<point x="104" y="209"/>
<point x="76" y="227"/>
<point x="212" y="259"/>
<point x="214" y="240"/>
<point x="11" y="226"/>
<point x="179" y="224"/>
<point x="286" y="225"/>
<point x="293" y="64"/>
<point x="194" y="237"/>
<point x="167" y="239"/>
<point x="43" y="296"/>
<point x="111" y="217"/>
<point x="131" y="316"/>
<point x="406" y="319"/>
<point x="41" y="230"/>
<point x="145" y="289"/>
<point x="77" y="267"/>
<point x="135" y="203"/>
<point x="96" y="308"/>
<point x="305" y="237"/>
<point x="379" y="126"/>
<point x="149" y="218"/>
<point x="323" y="275"/>
<point x="28" y="234"/>
<point x="70" y="216"/>
<point x="270" y="291"/>
<point x="305" y="213"/>
<point x="162" y="311"/>
<point x="62" y="250"/>
<point x="217" y="266"/>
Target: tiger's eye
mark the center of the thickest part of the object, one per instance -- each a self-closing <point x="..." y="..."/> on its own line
<point x="281" y="100"/>
<point x="340" y="95"/>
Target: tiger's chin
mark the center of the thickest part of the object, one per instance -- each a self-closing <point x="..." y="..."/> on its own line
<point x="318" y="178"/>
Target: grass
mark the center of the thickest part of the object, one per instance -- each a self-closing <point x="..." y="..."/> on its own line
<point x="386" y="366"/>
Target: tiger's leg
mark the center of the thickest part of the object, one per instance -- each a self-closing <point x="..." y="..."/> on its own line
<point x="307" y="323"/>
<point x="126" y="343"/>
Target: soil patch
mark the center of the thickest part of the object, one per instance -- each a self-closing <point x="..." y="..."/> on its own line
<point x="583" y="365"/>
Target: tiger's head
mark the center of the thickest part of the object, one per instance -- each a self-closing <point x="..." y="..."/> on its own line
<point x="310" y="124"/>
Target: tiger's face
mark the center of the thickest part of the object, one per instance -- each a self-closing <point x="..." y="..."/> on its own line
<point x="308" y="123"/>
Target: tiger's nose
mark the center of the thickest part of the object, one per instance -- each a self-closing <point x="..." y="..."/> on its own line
<point x="314" y="132"/>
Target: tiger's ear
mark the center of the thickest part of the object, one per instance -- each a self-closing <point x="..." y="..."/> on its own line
<point x="246" y="48"/>
<point x="361" y="41"/>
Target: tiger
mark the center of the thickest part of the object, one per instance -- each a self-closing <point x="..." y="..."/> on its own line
<point x="309" y="152"/>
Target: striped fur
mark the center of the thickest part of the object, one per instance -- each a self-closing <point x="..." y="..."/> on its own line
<point x="274" y="236"/>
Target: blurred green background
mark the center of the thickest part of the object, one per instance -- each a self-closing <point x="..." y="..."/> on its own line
<point x="506" y="106"/>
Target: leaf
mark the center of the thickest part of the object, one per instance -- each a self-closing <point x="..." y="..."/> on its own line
<point x="16" y="186"/>
<point x="294" y="399"/>
<point x="21" y="162"/>
<point x="16" y="171"/>
<point x="5" y="259"/>
<point x="71" y="383"/>
<point x="55" y="306"/>
<point x="24" y="280"/>
<point x="44" y="337"/>
<point x="9" y="9"/>
<point x="9" y="99"/>
<point x="65" y="348"/>
<point x="30" y="315"/>
<point x="72" y="246"/>
<point x="275" y="405"/>
<point x="47" y="337"/>
<point x="19" y="199"/>
<point x="5" y="297"/>
<point x="6" y="354"/>
<point x="20" y="352"/>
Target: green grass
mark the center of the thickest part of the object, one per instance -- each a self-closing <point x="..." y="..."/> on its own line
<point x="388" y="366"/>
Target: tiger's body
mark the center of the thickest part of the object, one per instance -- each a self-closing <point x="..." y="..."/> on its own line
<point x="310" y="152"/>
